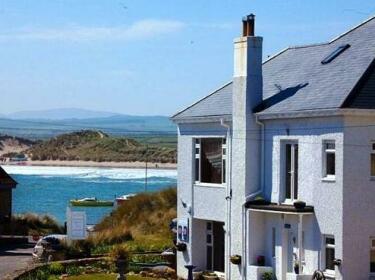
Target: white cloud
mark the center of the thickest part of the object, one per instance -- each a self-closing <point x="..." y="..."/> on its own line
<point x="137" y="31"/>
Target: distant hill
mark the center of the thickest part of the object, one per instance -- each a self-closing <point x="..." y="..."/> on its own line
<point x="58" y="114"/>
<point x="118" y="125"/>
<point x="10" y="145"/>
<point x="89" y="145"/>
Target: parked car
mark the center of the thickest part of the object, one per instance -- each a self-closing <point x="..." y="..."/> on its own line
<point x="49" y="247"/>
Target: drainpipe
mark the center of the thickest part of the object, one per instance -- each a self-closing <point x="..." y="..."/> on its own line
<point x="245" y="214"/>
<point x="229" y="196"/>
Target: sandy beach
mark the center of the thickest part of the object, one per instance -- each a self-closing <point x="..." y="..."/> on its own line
<point x="77" y="163"/>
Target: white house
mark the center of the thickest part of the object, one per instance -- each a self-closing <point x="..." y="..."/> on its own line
<point x="278" y="165"/>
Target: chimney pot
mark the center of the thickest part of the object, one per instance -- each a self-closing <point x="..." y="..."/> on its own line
<point x="248" y="24"/>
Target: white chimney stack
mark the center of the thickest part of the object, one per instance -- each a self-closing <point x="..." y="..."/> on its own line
<point x="246" y="146"/>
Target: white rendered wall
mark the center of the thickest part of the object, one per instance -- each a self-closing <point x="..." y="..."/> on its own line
<point x="359" y="197"/>
<point x="205" y="203"/>
<point x="325" y="196"/>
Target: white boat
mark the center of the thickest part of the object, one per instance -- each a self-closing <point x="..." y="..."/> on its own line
<point x="87" y="199"/>
<point x="124" y="197"/>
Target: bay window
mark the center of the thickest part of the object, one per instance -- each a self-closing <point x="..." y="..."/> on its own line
<point x="210" y="160"/>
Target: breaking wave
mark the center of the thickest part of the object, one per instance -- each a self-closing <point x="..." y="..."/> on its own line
<point x="90" y="172"/>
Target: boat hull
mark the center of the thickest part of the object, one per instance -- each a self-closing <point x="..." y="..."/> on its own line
<point x="91" y="203"/>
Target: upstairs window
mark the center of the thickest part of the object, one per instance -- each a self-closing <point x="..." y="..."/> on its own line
<point x="329" y="159"/>
<point x="372" y="159"/>
<point x="210" y="160"/>
<point x="335" y="54"/>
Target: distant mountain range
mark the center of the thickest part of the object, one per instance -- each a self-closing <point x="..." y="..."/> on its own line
<point x="58" y="114"/>
<point x="49" y="123"/>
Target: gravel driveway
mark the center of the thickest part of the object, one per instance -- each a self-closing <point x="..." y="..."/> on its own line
<point x="14" y="257"/>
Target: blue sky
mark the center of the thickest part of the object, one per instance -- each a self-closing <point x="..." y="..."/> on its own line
<point x="144" y="57"/>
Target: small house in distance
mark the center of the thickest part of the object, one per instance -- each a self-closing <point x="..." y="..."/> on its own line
<point x="7" y="184"/>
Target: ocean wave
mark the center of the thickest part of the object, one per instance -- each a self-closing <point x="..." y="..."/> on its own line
<point x="90" y="172"/>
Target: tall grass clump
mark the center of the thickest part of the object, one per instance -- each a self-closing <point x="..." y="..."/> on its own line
<point x="142" y="222"/>
<point x="28" y="223"/>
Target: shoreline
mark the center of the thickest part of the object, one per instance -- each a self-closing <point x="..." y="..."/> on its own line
<point x="108" y="164"/>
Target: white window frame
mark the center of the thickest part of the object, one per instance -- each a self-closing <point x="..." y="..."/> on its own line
<point x="294" y="144"/>
<point x="328" y="272"/>
<point x="328" y="177"/>
<point x="197" y="147"/>
<point x="372" y="248"/>
<point x="372" y="152"/>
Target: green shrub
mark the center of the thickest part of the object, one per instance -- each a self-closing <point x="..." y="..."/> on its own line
<point x="56" y="268"/>
<point x="74" y="270"/>
<point x="268" y="276"/>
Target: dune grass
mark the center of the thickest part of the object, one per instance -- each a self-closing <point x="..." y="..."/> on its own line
<point x="141" y="222"/>
<point x="89" y="145"/>
<point x="30" y="223"/>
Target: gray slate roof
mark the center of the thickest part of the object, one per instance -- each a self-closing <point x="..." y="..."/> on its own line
<point x="295" y="80"/>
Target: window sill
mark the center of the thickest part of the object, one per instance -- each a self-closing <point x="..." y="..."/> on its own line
<point x="372" y="178"/>
<point x="329" y="179"/>
<point x="209" y="185"/>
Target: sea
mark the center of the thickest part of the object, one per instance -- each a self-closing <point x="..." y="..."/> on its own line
<point x="48" y="190"/>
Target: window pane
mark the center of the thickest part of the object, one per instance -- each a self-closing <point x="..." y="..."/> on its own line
<point x="224" y="174"/>
<point x="209" y="258"/>
<point x="330" y="164"/>
<point x="288" y="169"/>
<point x="209" y="238"/>
<point x="197" y="169"/>
<point x="372" y="164"/>
<point x="197" y="151"/>
<point x="330" y="255"/>
<point x="330" y="240"/>
<point x="373" y="146"/>
<point x="209" y="226"/>
<point x="295" y="171"/>
<point x="372" y="261"/>
<point x="211" y="160"/>
<point x="330" y="146"/>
